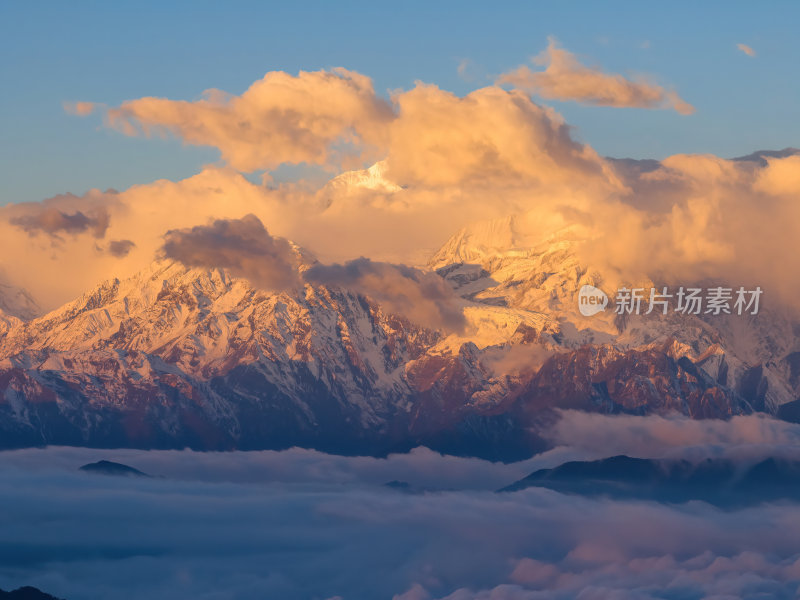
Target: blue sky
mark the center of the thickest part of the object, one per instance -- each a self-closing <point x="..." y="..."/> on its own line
<point x="111" y="52"/>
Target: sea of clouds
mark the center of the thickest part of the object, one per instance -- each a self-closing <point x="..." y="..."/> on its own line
<point x="300" y="524"/>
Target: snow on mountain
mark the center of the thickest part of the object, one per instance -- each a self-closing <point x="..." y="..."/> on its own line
<point x="499" y="264"/>
<point x="177" y="356"/>
<point x="373" y="178"/>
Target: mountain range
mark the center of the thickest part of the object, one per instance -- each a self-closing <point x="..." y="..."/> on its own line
<point x="175" y="357"/>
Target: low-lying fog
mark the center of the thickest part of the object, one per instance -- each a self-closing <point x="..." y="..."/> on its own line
<point x="301" y="524"/>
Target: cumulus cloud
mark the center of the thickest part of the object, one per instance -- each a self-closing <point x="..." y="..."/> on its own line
<point x="746" y="49"/>
<point x="700" y="217"/>
<point x="243" y="246"/>
<point x="428" y="136"/>
<point x="422" y="296"/>
<point x="489" y="138"/>
<point x="308" y="118"/>
<point x="565" y="78"/>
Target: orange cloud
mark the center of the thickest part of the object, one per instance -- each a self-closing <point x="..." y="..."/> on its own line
<point x="445" y="161"/>
<point x="490" y="137"/>
<point x="565" y="78"/>
<point x="746" y="49"/>
<point x="734" y="221"/>
<point x="279" y="119"/>
<point x="80" y="109"/>
<point x="427" y="136"/>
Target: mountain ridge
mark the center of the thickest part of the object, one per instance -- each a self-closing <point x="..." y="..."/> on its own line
<point x="175" y="356"/>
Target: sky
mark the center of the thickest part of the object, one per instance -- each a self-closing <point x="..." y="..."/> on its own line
<point x="54" y="53"/>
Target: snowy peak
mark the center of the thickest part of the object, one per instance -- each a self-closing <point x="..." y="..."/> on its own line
<point x="17" y="302"/>
<point x="372" y="179"/>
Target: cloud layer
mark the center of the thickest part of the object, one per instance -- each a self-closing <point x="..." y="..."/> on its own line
<point x="299" y="524"/>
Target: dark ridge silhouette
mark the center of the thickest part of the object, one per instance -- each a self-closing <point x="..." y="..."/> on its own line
<point x="719" y="481"/>
<point x="106" y="467"/>
<point x="26" y="593"/>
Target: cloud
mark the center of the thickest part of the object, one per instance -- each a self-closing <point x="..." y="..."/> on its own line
<point x="243" y="246"/>
<point x="80" y="109"/>
<point x="516" y="359"/>
<point x="420" y="467"/>
<point x="426" y="136"/>
<point x="446" y="161"/>
<point x="780" y="178"/>
<point x="746" y="49"/>
<point x="443" y="155"/>
<point x="58" y="269"/>
<point x="53" y="222"/>
<point x="699" y="217"/>
<point x="489" y="138"/>
<point x="121" y="248"/>
<point x="277" y="537"/>
<point x="565" y="78"/>
<point x="464" y="70"/>
<point x="423" y="297"/>
<point x="246" y="249"/>
<point x="597" y="436"/>
<point x="320" y="117"/>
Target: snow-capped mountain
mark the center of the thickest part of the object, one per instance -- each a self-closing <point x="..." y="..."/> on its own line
<point x="495" y="263"/>
<point x="175" y="357"/>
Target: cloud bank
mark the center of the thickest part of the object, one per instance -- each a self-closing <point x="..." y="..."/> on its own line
<point x="340" y="533"/>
